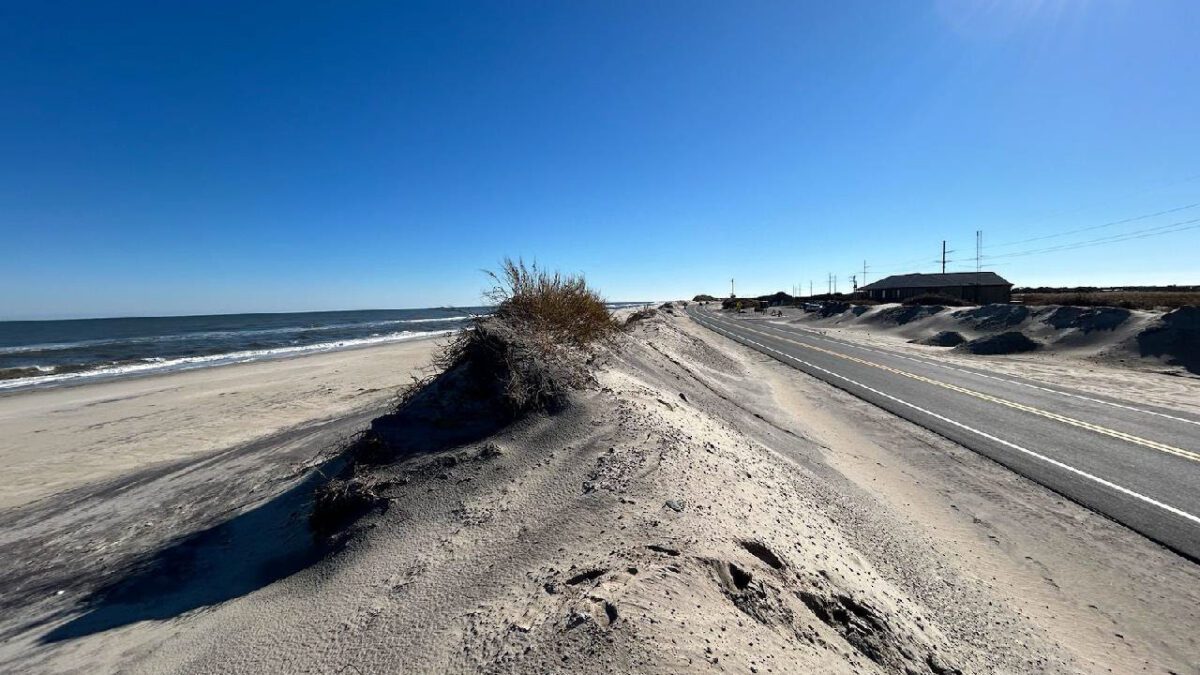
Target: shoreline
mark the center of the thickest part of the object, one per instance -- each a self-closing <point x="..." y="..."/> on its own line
<point x="201" y="362"/>
<point x="694" y="484"/>
<point x="56" y="438"/>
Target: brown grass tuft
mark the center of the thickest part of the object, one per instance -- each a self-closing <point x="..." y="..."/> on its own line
<point x="527" y="356"/>
<point x="561" y="307"/>
<point x="640" y="315"/>
<point x="1124" y="299"/>
<point x="534" y="348"/>
<point x="340" y="502"/>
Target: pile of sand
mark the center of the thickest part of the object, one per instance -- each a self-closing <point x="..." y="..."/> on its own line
<point x="899" y="315"/>
<point x="1109" y="335"/>
<point x="992" y="317"/>
<point x="1086" y="319"/>
<point x="1012" y="342"/>
<point x="945" y="338"/>
<point x="1175" y="338"/>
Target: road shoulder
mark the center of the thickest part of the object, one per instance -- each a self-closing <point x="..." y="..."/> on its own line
<point x="1113" y="598"/>
<point x="1165" y="389"/>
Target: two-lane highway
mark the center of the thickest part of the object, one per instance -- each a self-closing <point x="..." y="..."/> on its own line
<point x="1139" y="465"/>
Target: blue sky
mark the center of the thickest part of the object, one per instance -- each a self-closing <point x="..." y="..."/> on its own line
<point x="195" y="157"/>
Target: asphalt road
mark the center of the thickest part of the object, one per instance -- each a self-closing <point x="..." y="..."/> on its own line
<point x="1139" y="465"/>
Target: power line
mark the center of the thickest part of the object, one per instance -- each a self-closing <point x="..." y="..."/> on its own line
<point x="1136" y="234"/>
<point x="1097" y="227"/>
<point x="1110" y="198"/>
<point x="1113" y="238"/>
<point x="1170" y="228"/>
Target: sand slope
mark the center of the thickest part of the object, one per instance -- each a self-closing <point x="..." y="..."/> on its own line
<point x="1108" y="335"/>
<point x="682" y="515"/>
<point x="1072" y="351"/>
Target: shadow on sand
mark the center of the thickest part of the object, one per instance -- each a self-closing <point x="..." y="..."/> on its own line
<point x="468" y="401"/>
<point x="255" y="548"/>
<point x="275" y="540"/>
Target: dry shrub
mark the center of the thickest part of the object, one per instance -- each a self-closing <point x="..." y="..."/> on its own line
<point x="559" y="307"/>
<point x="534" y="348"/>
<point x="523" y="370"/>
<point x="1123" y="299"/>
<point x="640" y="315"/>
<point x="340" y="502"/>
<point x="527" y="356"/>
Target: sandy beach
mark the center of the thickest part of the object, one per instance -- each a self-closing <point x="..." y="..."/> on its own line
<point x="697" y="507"/>
<point x="53" y="440"/>
<point x="650" y="338"/>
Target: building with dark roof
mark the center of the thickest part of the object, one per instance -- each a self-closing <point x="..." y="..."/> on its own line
<point x="979" y="287"/>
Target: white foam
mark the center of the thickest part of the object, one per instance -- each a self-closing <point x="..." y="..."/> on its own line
<point x="208" y="361"/>
<point x="444" y="318"/>
<point x="208" y="335"/>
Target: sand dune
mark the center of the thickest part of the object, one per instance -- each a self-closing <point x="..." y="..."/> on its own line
<point x="1091" y="349"/>
<point x="1159" y="341"/>
<point x="696" y="508"/>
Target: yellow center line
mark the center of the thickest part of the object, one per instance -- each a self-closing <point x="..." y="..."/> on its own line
<point x="1154" y="445"/>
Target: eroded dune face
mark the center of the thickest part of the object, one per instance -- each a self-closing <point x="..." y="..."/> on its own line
<point x="672" y="515"/>
<point x="665" y="520"/>
<point x="1175" y="338"/>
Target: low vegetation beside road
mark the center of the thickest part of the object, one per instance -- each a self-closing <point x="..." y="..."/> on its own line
<point x="1149" y="300"/>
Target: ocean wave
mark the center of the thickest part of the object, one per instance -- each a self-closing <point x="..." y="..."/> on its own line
<point x="445" y="318"/>
<point x="212" y="335"/>
<point x="156" y="365"/>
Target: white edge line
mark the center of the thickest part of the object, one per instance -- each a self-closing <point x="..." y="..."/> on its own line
<point x="848" y="343"/>
<point x="984" y="434"/>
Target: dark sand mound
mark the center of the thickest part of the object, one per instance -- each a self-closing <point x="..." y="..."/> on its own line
<point x="1012" y="342"/>
<point x="1113" y="336"/>
<point x="1176" y="339"/>
<point x="833" y="309"/>
<point x="1087" y="319"/>
<point x="993" y="317"/>
<point x="946" y="338"/>
<point x="898" y="316"/>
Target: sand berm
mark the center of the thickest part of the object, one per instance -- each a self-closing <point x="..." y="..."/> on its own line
<point x="664" y="504"/>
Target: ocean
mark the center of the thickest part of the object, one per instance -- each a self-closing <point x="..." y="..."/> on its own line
<point x="47" y="353"/>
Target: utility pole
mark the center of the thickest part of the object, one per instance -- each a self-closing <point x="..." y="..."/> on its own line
<point x="731" y="295"/>
<point x="943" y="256"/>
<point x="810" y="288"/>
<point x="978" y="265"/>
<point x="835" y="284"/>
<point x="864" y="277"/>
